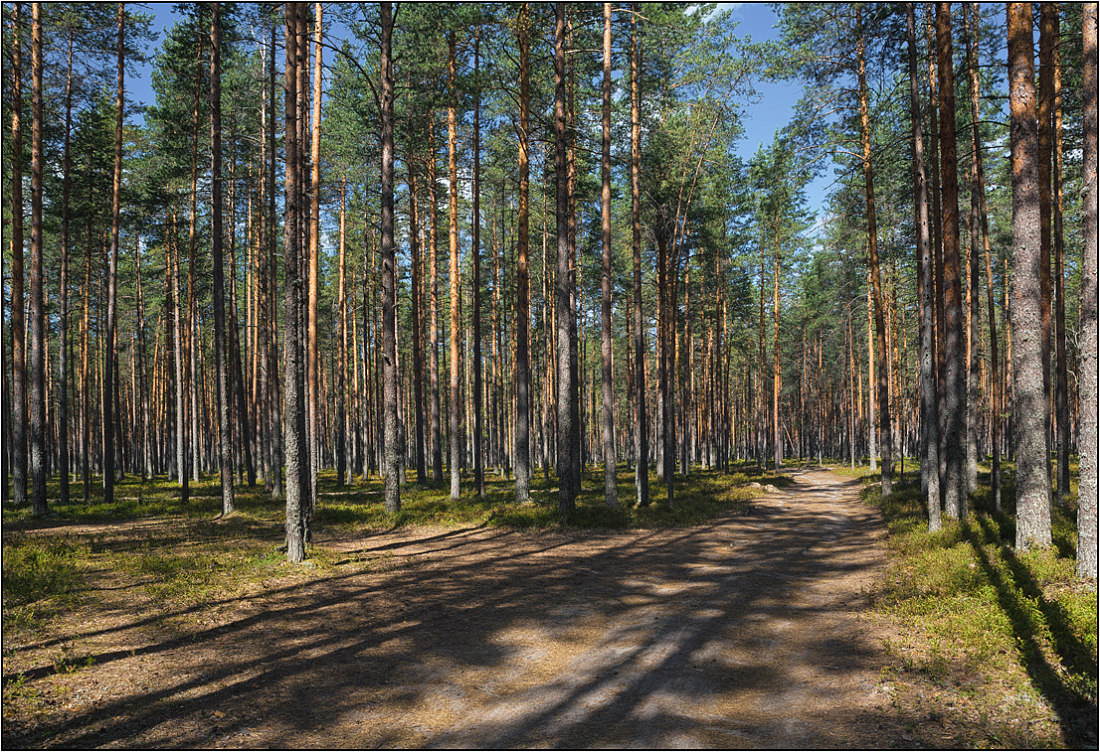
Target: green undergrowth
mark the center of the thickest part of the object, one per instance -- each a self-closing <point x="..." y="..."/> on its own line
<point x="992" y="647"/>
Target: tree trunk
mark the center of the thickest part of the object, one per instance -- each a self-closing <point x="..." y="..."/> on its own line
<point x="390" y="385"/>
<point x="297" y="447"/>
<point x="641" y="429"/>
<point x="1086" y="389"/>
<point x="63" y="322"/>
<point x="886" y="439"/>
<point x="18" y="321"/>
<point x="929" y="407"/>
<point x="225" y="436"/>
<point x="418" y="356"/>
<point x="611" y="498"/>
<point x="1032" y="480"/>
<point x="1044" y="110"/>
<point x="37" y="349"/>
<point x="567" y="392"/>
<point x="523" y="294"/>
<point x="979" y="189"/>
<point x="112" y="279"/>
<point x="475" y="232"/>
<point x="1061" y="386"/>
<point x="954" y="407"/>
<point x="313" y="187"/>
<point x="454" y="416"/>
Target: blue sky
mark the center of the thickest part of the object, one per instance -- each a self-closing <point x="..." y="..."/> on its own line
<point x="772" y="111"/>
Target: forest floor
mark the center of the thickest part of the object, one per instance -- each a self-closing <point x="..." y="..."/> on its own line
<point x="758" y="628"/>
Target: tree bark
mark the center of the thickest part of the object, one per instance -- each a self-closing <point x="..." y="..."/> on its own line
<point x="63" y="322"/>
<point x="18" y="320"/>
<point x="979" y="189"/>
<point x="954" y="407"/>
<point x="453" y="410"/>
<point x="611" y="498"/>
<point x="418" y="356"/>
<point x="523" y="294"/>
<point x="296" y="443"/>
<point x="1086" y="389"/>
<point x="225" y="435"/>
<point x="886" y="439"/>
<point x="390" y="385"/>
<point x="929" y="407"/>
<point x="1061" y="385"/>
<point x="1032" y="479"/>
<point x="313" y="360"/>
<point x="641" y="429"/>
<point x="112" y="277"/>
<point x="475" y="232"/>
<point x="37" y="349"/>
<point x="567" y="392"/>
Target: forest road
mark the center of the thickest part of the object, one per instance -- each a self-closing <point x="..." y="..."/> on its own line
<point x="743" y="633"/>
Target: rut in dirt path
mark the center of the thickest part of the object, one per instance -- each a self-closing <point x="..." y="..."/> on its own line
<point x="741" y="633"/>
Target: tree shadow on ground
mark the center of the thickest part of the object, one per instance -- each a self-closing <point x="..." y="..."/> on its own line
<point x="1034" y="618"/>
<point x="712" y="635"/>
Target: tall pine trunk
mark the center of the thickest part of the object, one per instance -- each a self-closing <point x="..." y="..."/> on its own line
<point x="1086" y="388"/>
<point x="954" y="406"/>
<point x="112" y="279"/>
<point x="454" y="440"/>
<point x="567" y="392"/>
<point x="641" y="429"/>
<point x="18" y="320"/>
<point x="1032" y="479"/>
<point x="883" y="384"/>
<point x="475" y="232"/>
<point x="296" y="442"/>
<point x="523" y="293"/>
<point x="929" y="407"/>
<point x="225" y="435"/>
<point x="37" y="349"/>
<point x="606" y="344"/>
<point x="391" y="454"/>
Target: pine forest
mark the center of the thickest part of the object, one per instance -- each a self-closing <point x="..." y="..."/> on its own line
<point x="549" y="374"/>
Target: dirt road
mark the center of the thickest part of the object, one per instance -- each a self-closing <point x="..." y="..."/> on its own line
<point x="742" y="633"/>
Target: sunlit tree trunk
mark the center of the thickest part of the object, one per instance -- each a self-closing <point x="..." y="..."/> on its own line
<point x="475" y="232"/>
<point x="453" y="408"/>
<point x="1032" y="479"/>
<point x="225" y="435"/>
<point x="884" y="429"/>
<point x="641" y="429"/>
<point x="954" y="407"/>
<point x="1086" y="388"/>
<point x="313" y="360"/>
<point x="929" y="407"/>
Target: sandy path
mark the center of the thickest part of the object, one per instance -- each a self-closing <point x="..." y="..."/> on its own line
<point x="742" y="633"/>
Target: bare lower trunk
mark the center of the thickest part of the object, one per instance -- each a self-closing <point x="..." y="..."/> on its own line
<point x="929" y="456"/>
<point x="606" y="344"/>
<point x="954" y="407"/>
<point x="390" y="385"/>
<point x="1032" y="479"/>
<point x="641" y="429"/>
<point x="1087" y="440"/>
<point x="523" y="296"/>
